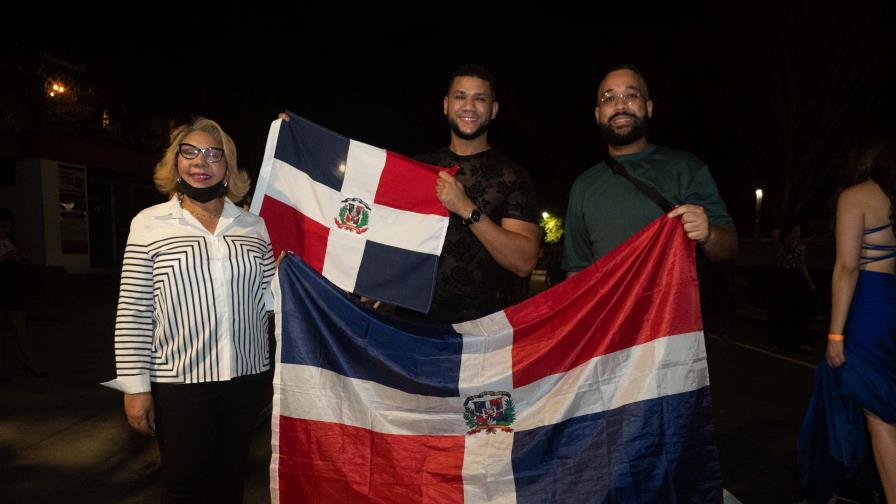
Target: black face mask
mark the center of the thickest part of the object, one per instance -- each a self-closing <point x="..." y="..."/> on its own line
<point x="201" y="194"/>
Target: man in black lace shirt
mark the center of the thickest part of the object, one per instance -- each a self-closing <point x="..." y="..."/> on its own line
<point x="493" y="229"/>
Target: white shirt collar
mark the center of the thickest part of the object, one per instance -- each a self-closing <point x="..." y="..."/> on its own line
<point x="174" y="210"/>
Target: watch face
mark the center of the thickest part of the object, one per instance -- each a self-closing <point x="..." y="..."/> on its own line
<point x="475" y="215"/>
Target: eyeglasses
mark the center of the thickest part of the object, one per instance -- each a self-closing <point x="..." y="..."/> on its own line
<point x="190" y="151"/>
<point x="612" y="99"/>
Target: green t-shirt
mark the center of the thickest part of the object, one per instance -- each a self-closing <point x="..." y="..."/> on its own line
<point x="606" y="209"/>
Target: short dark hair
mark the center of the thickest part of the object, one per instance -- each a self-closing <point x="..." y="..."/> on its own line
<point x="478" y="71"/>
<point x="631" y="68"/>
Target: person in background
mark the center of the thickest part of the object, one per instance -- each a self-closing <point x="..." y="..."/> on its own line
<point x="793" y="292"/>
<point x="12" y="299"/>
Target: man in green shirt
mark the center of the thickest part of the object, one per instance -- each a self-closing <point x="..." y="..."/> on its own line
<point x="605" y="209"/>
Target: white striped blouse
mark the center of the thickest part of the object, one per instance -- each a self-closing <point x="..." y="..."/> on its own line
<point x="193" y="305"/>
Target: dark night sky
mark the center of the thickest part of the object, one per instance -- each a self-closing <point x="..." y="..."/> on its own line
<point x="723" y="80"/>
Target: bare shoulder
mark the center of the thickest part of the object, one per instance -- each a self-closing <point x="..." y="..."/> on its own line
<point x="865" y="202"/>
<point x="862" y="194"/>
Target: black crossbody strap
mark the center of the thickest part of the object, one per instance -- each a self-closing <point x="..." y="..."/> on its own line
<point x="646" y="190"/>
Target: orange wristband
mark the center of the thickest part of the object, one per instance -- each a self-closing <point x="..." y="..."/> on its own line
<point x="835" y="337"/>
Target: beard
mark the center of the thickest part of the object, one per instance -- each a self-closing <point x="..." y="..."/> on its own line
<point x="478" y="132"/>
<point x="638" y="129"/>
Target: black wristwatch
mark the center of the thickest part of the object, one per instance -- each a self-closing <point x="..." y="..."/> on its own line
<point x="473" y="218"/>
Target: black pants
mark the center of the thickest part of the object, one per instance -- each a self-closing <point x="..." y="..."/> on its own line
<point x="204" y="431"/>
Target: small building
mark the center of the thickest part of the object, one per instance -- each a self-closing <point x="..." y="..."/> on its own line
<point x="73" y="200"/>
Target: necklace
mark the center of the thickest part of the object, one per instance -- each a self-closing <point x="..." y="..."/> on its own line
<point x="200" y="214"/>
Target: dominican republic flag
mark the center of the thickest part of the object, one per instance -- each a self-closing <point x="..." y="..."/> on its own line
<point x="593" y="391"/>
<point x="365" y="218"/>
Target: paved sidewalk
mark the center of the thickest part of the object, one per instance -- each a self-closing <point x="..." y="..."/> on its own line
<point x="64" y="438"/>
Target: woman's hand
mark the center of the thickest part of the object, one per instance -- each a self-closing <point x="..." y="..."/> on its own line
<point x="141" y="412"/>
<point x="834" y="354"/>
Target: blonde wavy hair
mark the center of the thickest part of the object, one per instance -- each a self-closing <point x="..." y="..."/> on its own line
<point x="165" y="175"/>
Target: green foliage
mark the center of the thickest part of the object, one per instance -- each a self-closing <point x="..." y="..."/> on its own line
<point x="553" y="228"/>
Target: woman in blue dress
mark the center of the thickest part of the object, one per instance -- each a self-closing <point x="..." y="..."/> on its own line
<point x="855" y="392"/>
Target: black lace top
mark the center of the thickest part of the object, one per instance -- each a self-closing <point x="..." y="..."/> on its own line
<point x="469" y="283"/>
<point x="790" y="259"/>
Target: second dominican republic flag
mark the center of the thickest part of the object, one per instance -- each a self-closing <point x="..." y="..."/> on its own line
<point x="365" y="218"/>
<point x="596" y="390"/>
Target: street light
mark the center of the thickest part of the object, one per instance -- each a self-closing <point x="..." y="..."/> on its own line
<point x="758" y="212"/>
<point x="544" y="215"/>
<point x="55" y="88"/>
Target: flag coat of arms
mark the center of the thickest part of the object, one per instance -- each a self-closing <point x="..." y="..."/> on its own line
<point x="365" y="218"/>
<point x="595" y="390"/>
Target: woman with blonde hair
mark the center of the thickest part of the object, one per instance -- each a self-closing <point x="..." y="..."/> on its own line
<point x="191" y="344"/>
<point x="855" y="393"/>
